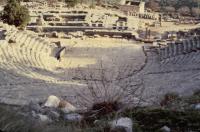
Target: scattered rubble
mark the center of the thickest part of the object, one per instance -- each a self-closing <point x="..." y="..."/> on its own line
<point x="197" y="106"/>
<point x="165" y="129"/>
<point x="54" y="109"/>
<point x="44" y="118"/>
<point x="66" y="107"/>
<point x="124" y="124"/>
<point x="74" y="117"/>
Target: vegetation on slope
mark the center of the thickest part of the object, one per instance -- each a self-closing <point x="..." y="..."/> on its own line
<point x="144" y="118"/>
<point x="184" y="7"/>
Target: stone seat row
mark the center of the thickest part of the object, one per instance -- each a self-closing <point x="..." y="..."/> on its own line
<point x="182" y="62"/>
<point x="30" y="47"/>
<point x="180" y="48"/>
<point x="25" y="55"/>
<point x="26" y="49"/>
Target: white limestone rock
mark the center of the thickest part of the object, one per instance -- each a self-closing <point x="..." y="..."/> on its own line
<point x="66" y="107"/>
<point x="73" y="117"/>
<point x="33" y="114"/>
<point x="122" y="124"/>
<point x="197" y="107"/>
<point x="165" y="129"/>
<point x="44" y="118"/>
<point x="52" y="101"/>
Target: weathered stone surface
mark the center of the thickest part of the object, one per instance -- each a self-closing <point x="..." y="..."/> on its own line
<point x="52" y="101"/>
<point x="33" y="114"/>
<point x="197" y="106"/>
<point x="73" y="117"/>
<point x="122" y="124"/>
<point x="171" y="49"/>
<point x="35" y="107"/>
<point x="165" y="129"/>
<point x="44" y="118"/>
<point x="185" y="46"/>
<point x="66" y="107"/>
<point x="54" y="115"/>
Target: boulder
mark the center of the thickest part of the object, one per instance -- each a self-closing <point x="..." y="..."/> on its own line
<point x="197" y="107"/>
<point x="44" y="118"/>
<point x="33" y="114"/>
<point x="51" y="112"/>
<point x="53" y="115"/>
<point x="66" y="107"/>
<point x="165" y="129"/>
<point x="122" y="125"/>
<point x="73" y="117"/>
<point x="52" y="101"/>
<point x="33" y="106"/>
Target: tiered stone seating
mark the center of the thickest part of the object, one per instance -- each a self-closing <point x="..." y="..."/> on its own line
<point x="37" y="54"/>
<point x="178" y="48"/>
<point x="176" y="57"/>
<point x="30" y="51"/>
<point x="27" y="53"/>
<point x="26" y="67"/>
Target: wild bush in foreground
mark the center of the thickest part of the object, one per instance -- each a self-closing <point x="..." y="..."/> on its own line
<point x="104" y="93"/>
<point x="195" y="98"/>
<point x="153" y="119"/>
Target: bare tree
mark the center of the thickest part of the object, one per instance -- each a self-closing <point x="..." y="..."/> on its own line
<point x="109" y="86"/>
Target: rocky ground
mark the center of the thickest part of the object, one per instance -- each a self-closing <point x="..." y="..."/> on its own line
<point x="176" y="114"/>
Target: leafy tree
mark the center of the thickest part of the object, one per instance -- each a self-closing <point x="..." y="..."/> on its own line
<point x="72" y="3"/>
<point x="15" y="14"/>
<point x="169" y="9"/>
<point x="99" y="2"/>
<point x="153" y="5"/>
<point x="184" y="10"/>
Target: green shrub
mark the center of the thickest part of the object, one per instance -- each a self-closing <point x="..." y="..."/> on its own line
<point x="196" y="93"/>
<point x="195" y="98"/>
<point x="154" y="119"/>
<point x="15" y="14"/>
<point x="169" y="98"/>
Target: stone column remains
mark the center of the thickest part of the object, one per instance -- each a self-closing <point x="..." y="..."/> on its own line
<point x="171" y="50"/>
<point x="178" y="48"/>
<point x="185" y="47"/>
<point x="196" y="42"/>
<point x="181" y="48"/>
<point x="194" y="45"/>
<point x="166" y="52"/>
<point x="162" y="53"/>
<point x="189" y="45"/>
